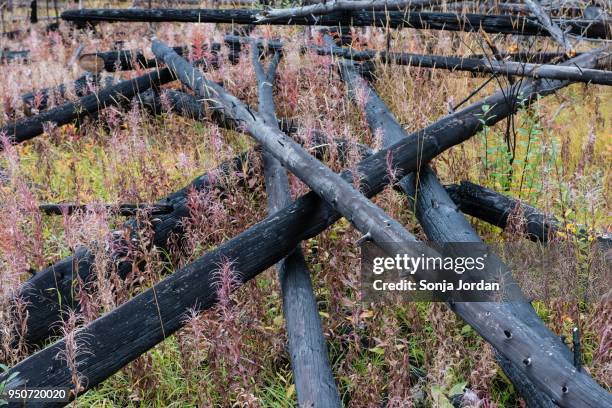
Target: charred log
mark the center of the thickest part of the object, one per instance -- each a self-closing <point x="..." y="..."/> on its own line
<point x="39" y="100"/>
<point x="440" y="221"/>
<point x="87" y="105"/>
<point x="127" y="210"/>
<point x="392" y="19"/>
<point x="12" y="56"/>
<point x="507" y="68"/>
<point x="497" y="209"/>
<point x="314" y="381"/>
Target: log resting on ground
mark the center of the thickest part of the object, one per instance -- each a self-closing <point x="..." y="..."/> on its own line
<point x="118" y="337"/>
<point x="87" y="105"/>
<point x="121" y="209"/>
<point x="333" y="6"/>
<point x="39" y="100"/>
<point x="10" y="56"/>
<point x="442" y="223"/>
<point x="313" y="377"/>
<point x="507" y="68"/>
<point x="392" y="19"/>
<point x="524" y="56"/>
<point x="127" y="60"/>
<point x="495" y="208"/>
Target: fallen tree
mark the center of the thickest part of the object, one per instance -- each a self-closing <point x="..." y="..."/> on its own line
<point x="441" y="222"/>
<point x="523" y="56"/>
<point x="313" y="377"/>
<point x="11" y="56"/>
<point x="122" y="335"/>
<point x="87" y="105"/>
<point x="334" y="6"/>
<point x="111" y="61"/>
<point x="121" y="209"/>
<point x="496" y="209"/>
<point x="507" y="68"/>
<point x="39" y="100"/>
<point x="172" y="100"/>
<point x="392" y="19"/>
<point x="128" y="60"/>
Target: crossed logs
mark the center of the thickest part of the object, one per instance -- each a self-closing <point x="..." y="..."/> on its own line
<point x="537" y="362"/>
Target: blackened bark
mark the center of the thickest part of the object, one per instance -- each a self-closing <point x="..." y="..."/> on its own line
<point x="121" y="209"/>
<point x="87" y="105"/>
<point x="496" y="209"/>
<point x="39" y="100"/>
<point x="507" y="68"/>
<point x="392" y="19"/>
<point x="441" y="222"/>
<point x="313" y="377"/>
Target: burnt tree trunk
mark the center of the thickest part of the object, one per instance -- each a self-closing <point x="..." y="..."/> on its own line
<point x="532" y="57"/>
<point x="127" y="60"/>
<point x="39" y="100"/>
<point x="392" y="19"/>
<point x="111" y="61"/>
<point x="313" y="377"/>
<point x="33" y="12"/>
<point x="555" y="32"/>
<point x="87" y="105"/>
<point x="11" y="56"/>
<point x="507" y="68"/>
<point x="121" y="209"/>
<point x="496" y="209"/>
<point x="440" y="222"/>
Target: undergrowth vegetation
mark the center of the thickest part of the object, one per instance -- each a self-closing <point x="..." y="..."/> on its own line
<point x="554" y="155"/>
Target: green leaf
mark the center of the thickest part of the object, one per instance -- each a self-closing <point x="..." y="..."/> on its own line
<point x="457" y="389"/>
<point x="439" y="399"/>
<point x="378" y="350"/>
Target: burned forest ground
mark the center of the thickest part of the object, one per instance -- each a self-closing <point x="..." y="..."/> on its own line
<point x="554" y="155"/>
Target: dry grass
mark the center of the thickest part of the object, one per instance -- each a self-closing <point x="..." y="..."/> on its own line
<point x="402" y="355"/>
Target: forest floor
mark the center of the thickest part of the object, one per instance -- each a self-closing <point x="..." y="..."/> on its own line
<point x="420" y="353"/>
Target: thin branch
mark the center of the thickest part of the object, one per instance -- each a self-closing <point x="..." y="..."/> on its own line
<point x="332" y="6"/>
<point x="557" y="34"/>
